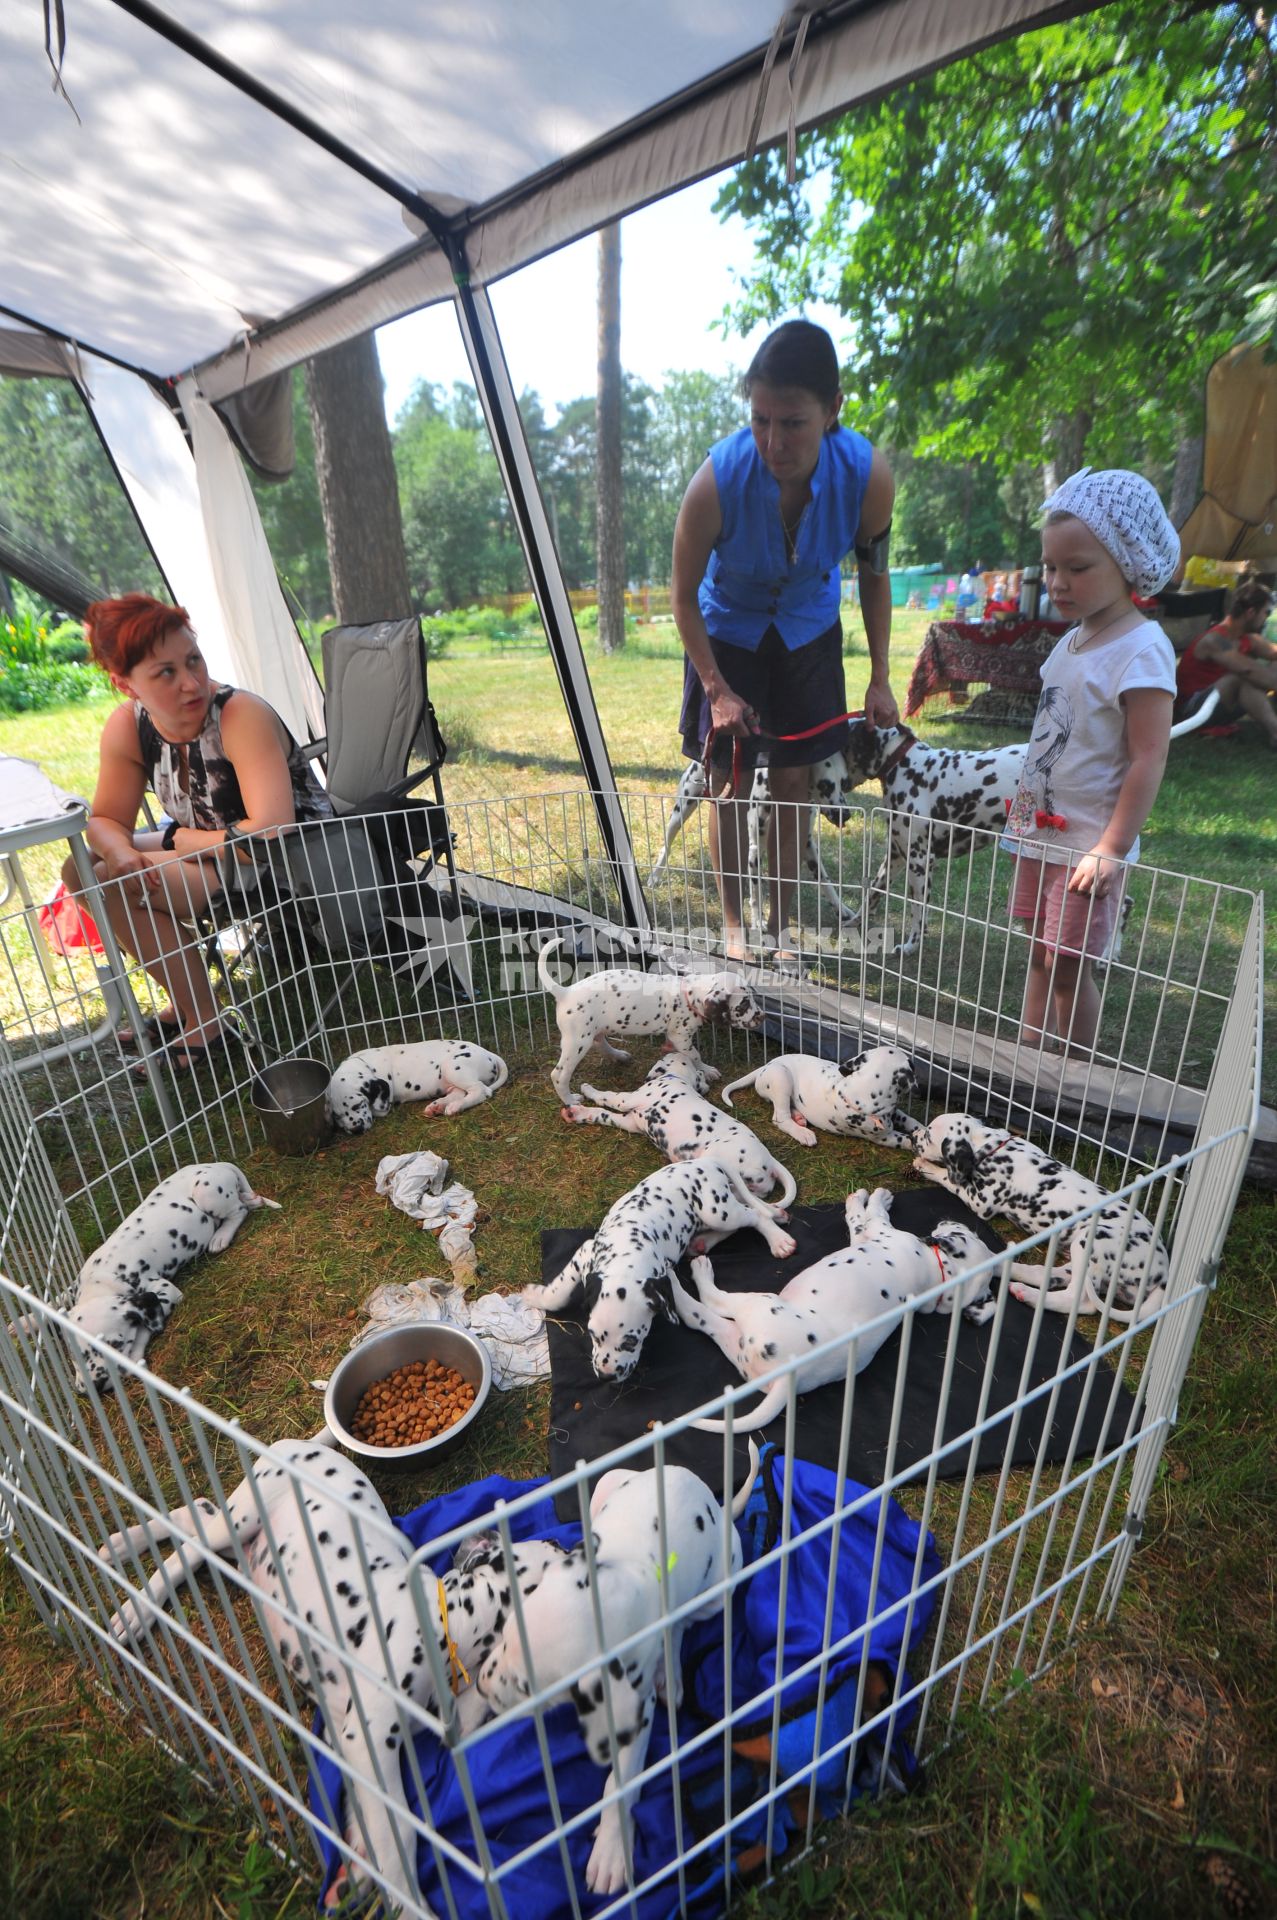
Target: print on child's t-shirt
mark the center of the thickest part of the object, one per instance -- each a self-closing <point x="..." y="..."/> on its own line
<point x="1052" y="728"/>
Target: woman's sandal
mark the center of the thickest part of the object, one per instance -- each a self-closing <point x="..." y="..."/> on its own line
<point x="157" y="1032"/>
<point x="183" y="1055"/>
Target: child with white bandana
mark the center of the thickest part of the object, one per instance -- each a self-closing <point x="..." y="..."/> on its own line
<point x="1098" y="748"/>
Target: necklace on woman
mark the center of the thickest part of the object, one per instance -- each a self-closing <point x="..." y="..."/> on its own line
<point x="1077" y="642"/>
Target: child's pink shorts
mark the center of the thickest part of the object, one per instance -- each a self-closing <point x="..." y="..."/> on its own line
<point x="1064" y="922"/>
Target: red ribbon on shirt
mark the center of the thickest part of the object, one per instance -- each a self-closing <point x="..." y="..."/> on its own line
<point x="1041" y="819"/>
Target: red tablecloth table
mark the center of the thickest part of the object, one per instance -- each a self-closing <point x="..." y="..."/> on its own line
<point x="956" y="654"/>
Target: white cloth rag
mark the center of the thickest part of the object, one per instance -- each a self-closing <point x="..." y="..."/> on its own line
<point x="511" y="1328"/>
<point x="414" y="1182"/>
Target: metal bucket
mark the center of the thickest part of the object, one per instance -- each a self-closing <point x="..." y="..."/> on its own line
<point x="292" y="1099"/>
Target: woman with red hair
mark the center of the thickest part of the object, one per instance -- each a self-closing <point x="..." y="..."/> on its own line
<point x="220" y="762"/>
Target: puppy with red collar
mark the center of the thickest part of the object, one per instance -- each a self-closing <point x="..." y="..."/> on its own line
<point x="1113" y="1255"/>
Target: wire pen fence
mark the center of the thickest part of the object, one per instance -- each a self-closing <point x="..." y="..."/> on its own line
<point x="323" y="955"/>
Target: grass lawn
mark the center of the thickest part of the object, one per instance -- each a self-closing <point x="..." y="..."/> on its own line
<point x="1137" y="1778"/>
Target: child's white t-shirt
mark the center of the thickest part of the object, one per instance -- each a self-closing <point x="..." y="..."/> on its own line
<point x="1077" y="757"/>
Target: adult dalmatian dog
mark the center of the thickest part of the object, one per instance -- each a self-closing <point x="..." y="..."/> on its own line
<point x="831" y="788"/>
<point x="333" y="1626"/>
<point x="935" y="796"/>
<point x="126" y="1289"/>
<point x="934" y="790"/>
<point x="1114" y="1257"/>
<point x="639" y="1579"/>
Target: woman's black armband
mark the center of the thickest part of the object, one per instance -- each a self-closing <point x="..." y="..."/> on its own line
<point x="168" y="839"/>
<point x="874" y="553"/>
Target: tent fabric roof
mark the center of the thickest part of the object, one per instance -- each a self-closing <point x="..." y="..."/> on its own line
<point x="177" y="209"/>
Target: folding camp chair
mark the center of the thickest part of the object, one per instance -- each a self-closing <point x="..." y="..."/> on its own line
<point x="360" y="884"/>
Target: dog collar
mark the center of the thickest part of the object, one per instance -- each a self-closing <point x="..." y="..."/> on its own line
<point x="893" y="760"/>
<point x="944" y="1278"/>
<point x="460" y="1678"/>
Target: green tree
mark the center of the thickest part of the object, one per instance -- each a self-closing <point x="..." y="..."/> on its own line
<point x="957" y="512"/>
<point x="1040" y="249"/>
<point x="460" y="540"/>
<point x="58" y="487"/>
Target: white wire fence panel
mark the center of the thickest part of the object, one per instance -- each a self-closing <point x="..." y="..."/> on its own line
<point x="223" y="1656"/>
<point x="222" y="1650"/>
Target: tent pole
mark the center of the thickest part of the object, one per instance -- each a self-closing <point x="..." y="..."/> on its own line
<point x="497" y="397"/>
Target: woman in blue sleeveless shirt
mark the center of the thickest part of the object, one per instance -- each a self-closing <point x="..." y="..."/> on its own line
<point x="219" y="760"/>
<point x="763" y="528"/>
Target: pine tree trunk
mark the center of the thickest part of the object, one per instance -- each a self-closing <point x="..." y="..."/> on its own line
<point x="1068" y="444"/>
<point x="358" y="489"/>
<point x="1186" y="481"/>
<point x="610" y="546"/>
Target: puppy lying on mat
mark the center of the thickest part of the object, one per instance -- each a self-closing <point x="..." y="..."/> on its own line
<point x="901" y="1414"/>
<point x="866" y="1286"/>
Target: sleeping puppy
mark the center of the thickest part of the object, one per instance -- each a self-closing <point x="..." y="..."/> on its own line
<point x="868" y="1284"/>
<point x="639" y="1580"/>
<point x="669" y="1110"/>
<point x="450" y="1075"/>
<point x="1116" y="1257"/>
<point x="861" y="1097"/>
<point x="127" y="1291"/>
<point x="621" y="1270"/>
<point x="623" y="1000"/>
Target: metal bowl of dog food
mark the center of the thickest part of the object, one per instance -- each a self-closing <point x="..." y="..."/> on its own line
<point x="408" y="1394"/>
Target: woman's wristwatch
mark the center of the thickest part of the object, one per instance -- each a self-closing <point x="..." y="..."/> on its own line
<point x="168" y="838"/>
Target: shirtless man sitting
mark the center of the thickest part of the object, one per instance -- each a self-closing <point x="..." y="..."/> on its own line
<point x="1235" y="659"/>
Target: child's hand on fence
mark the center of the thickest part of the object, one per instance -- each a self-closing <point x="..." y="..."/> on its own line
<point x="1096" y="873"/>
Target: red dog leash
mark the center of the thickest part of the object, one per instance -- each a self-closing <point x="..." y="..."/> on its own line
<point x="738" y="750"/>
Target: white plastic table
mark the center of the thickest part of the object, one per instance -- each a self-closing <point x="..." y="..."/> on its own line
<point x="34" y="812"/>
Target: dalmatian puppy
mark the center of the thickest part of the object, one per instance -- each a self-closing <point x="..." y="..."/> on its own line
<point x="932" y="793"/>
<point x="639" y="1580"/>
<point x="865" y="1287"/>
<point x="357" y="1608"/>
<point x="861" y="1097"/>
<point x="450" y="1075"/>
<point x="625" y="1000"/>
<point x="831" y="787"/>
<point x="126" y="1289"/>
<point x="620" y="1270"/>
<point x="669" y="1109"/>
<point x="1118" y="1257"/>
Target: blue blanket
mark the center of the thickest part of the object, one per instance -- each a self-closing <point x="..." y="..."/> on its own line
<point x="506" y="1769"/>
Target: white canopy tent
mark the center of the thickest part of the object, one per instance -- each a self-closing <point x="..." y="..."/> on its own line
<point x="199" y="196"/>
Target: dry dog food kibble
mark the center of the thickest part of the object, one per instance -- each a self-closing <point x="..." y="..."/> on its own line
<point x="416" y="1402"/>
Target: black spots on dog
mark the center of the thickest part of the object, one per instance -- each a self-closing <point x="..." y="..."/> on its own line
<point x="699" y="1523"/>
<point x="617" y="1670"/>
<point x="811" y="1340"/>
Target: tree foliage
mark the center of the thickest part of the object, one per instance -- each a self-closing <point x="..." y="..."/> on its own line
<point x="58" y="487"/>
<point x="1040" y="249"/>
